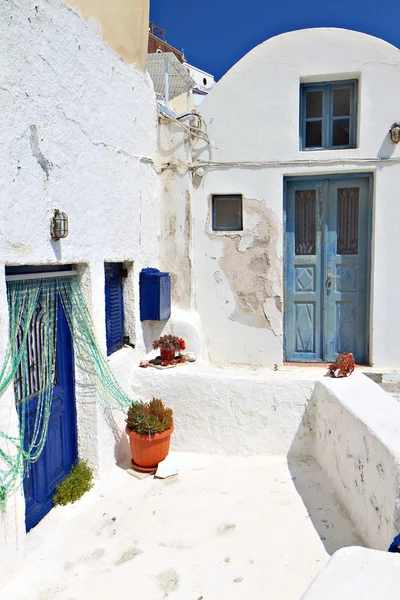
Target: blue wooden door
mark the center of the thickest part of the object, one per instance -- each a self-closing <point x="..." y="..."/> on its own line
<point x="60" y="450"/>
<point x="326" y="268"/>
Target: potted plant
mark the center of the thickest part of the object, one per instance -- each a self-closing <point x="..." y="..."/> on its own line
<point x="169" y="345"/>
<point x="149" y="426"/>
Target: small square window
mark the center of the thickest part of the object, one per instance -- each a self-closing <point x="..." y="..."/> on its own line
<point x="227" y="213"/>
<point x="328" y="115"/>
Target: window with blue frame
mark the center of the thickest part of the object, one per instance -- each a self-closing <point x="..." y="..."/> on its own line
<point x="114" y="306"/>
<point x="328" y="115"/>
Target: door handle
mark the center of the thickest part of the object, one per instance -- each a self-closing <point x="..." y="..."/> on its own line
<point x="330" y="276"/>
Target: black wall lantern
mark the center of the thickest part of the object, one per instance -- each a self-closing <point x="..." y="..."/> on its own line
<point x="59" y="226"/>
<point x="395" y="133"/>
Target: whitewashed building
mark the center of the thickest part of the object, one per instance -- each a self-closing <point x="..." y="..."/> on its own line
<point x="79" y="135"/>
<point x="204" y="83"/>
<point x="274" y="211"/>
<point x="295" y="219"/>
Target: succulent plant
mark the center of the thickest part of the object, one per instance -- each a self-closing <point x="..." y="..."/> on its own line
<point x="149" y="417"/>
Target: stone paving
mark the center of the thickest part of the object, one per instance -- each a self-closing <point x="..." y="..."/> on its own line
<point x="224" y="528"/>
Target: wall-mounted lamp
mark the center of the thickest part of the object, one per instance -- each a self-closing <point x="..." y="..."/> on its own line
<point x="395" y="133"/>
<point x="58" y="226"/>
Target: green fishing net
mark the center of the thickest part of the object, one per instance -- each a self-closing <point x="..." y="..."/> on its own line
<point x="43" y="295"/>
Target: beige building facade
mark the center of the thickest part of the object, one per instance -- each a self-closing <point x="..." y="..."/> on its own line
<point x="123" y="24"/>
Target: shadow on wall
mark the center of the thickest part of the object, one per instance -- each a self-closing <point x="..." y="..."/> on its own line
<point x="152" y="330"/>
<point x="387" y="148"/>
<point x="121" y="447"/>
<point x="329" y="518"/>
<point x="122" y="453"/>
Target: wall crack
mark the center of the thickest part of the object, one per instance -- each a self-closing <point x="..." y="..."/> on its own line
<point x="44" y="163"/>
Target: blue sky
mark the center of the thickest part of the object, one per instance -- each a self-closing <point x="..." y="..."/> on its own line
<point x="216" y="33"/>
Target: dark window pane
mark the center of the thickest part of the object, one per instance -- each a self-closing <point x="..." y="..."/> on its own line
<point x="34" y="344"/>
<point x="341" y="132"/>
<point x="313" y="134"/>
<point x="305" y="222"/>
<point x="227" y="213"/>
<point x="313" y="105"/>
<point x="341" y="102"/>
<point x="347" y="225"/>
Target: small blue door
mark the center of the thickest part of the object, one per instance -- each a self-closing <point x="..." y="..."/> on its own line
<point x="327" y="268"/>
<point x="60" y="450"/>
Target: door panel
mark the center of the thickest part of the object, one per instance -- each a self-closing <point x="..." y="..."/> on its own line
<point x="326" y="269"/>
<point x="346" y="269"/>
<point x="303" y="272"/>
<point x="60" y="450"/>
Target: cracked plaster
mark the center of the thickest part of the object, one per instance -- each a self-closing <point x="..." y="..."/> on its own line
<point x="250" y="264"/>
<point x="73" y="103"/>
<point x="252" y="114"/>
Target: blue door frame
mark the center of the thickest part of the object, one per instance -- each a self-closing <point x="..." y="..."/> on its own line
<point x="328" y="222"/>
<point x="61" y="447"/>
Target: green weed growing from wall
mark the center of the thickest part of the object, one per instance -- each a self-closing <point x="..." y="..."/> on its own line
<point x="78" y="482"/>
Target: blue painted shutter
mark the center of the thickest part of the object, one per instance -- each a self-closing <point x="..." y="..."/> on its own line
<point x="114" y="307"/>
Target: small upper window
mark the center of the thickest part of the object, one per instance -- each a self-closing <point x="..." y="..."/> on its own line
<point x="328" y="115"/>
<point x="114" y="307"/>
<point x="227" y="213"/>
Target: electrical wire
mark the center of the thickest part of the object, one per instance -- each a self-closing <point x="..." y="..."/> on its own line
<point x="194" y="131"/>
<point x="279" y="164"/>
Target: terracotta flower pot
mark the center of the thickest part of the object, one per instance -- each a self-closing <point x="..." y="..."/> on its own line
<point x="167" y="354"/>
<point x="149" y="449"/>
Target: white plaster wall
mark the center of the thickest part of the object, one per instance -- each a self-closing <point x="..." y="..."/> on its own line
<point x="229" y="411"/>
<point x="354" y="434"/>
<point x="176" y="251"/>
<point x="354" y="573"/>
<point x="75" y="124"/>
<point x="182" y="323"/>
<point x="252" y="115"/>
<point x="175" y="147"/>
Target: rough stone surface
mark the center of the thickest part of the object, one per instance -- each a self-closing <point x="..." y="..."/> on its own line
<point x="230" y="411"/>
<point x="75" y="124"/>
<point x="227" y="527"/>
<point x="352" y="428"/>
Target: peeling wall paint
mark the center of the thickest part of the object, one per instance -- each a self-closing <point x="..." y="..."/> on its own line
<point x="252" y="120"/>
<point x="176" y="237"/>
<point x="250" y="264"/>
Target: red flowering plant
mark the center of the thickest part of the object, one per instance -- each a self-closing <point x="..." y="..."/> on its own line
<point x="343" y="366"/>
<point x="169" y="342"/>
